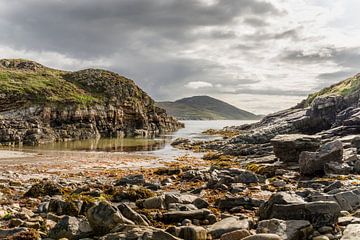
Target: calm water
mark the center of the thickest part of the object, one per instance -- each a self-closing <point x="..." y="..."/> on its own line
<point x="158" y="146"/>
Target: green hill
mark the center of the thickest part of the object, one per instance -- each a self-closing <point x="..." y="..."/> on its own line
<point x="205" y="108"/>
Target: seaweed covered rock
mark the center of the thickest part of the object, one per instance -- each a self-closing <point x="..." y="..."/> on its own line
<point x="44" y="188"/>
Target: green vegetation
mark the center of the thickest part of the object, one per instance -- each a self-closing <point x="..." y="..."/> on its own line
<point x="23" y="81"/>
<point x="205" y="108"/>
<point x="343" y="88"/>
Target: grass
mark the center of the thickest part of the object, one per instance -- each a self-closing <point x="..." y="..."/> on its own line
<point x="343" y="88"/>
<point x="45" y="86"/>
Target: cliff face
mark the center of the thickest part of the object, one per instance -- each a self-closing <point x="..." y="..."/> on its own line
<point x="330" y="113"/>
<point x="39" y="104"/>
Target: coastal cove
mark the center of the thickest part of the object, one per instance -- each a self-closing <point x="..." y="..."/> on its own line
<point x="157" y="149"/>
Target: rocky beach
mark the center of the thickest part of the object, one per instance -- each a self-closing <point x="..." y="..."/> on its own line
<point x="293" y="175"/>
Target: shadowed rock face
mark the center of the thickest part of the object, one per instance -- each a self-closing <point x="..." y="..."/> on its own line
<point x="39" y="104"/>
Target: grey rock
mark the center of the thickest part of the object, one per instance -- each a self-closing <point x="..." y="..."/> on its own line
<point x="137" y="179"/>
<point x="103" y="217"/>
<point x="189" y="232"/>
<point x="351" y="232"/>
<point x="263" y="236"/>
<point x="71" y="228"/>
<point x="132" y="215"/>
<point x="179" y="216"/>
<point x="337" y="168"/>
<point x="154" y="203"/>
<point x="288" y="147"/>
<point x="287" y="230"/>
<point x="227" y="225"/>
<point x="314" y="162"/>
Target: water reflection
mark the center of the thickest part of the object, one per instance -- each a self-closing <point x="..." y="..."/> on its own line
<point x="160" y="146"/>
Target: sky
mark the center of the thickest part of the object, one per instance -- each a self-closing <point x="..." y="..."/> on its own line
<point x="259" y="55"/>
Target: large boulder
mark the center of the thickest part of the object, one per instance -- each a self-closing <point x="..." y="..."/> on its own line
<point x="189" y="232"/>
<point x="351" y="232"/>
<point x="227" y="225"/>
<point x="286" y="207"/>
<point x="288" y="147"/>
<point x="44" y="188"/>
<point x="103" y="217"/>
<point x="71" y="228"/>
<point x="179" y="216"/>
<point x="288" y="230"/>
<point x="132" y="215"/>
<point x="314" y="162"/>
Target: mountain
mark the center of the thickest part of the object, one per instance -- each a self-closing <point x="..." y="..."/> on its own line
<point x="39" y="104"/>
<point x="205" y="108"/>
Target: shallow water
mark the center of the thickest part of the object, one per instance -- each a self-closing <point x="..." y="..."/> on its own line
<point x="159" y="146"/>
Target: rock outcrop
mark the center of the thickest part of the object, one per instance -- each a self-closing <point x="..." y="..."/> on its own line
<point x="39" y="105"/>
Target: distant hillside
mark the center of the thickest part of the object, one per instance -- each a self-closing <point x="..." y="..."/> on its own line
<point x="205" y="108"/>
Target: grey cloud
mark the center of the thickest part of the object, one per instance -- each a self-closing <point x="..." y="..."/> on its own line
<point x="292" y="34"/>
<point x="269" y="91"/>
<point x="90" y="28"/>
<point x="345" y="57"/>
<point x="255" y="22"/>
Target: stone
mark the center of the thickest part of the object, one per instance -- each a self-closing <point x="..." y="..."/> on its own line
<point x="179" y="216"/>
<point x="287" y="230"/>
<point x="314" y="162"/>
<point x="7" y="233"/>
<point x="227" y="225"/>
<point x="321" y="237"/>
<point x="288" y="147"/>
<point x="43" y="188"/>
<point x="71" y="228"/>
<point x="132" y="215"/>
<point x="189" y="232"/>
<point x="103" y="217"/>
<point x="288" y="207"/>
<point x="137" y="179"/>
<point x="247" y="177"/>
<point x="350" y="155"/>
<point x="337" y="168"/>
<point x="263" y="236"/>
<point x="132" y="232"/>
<point x="61" y="207"/>
<point x="236" y="235"/>
<point x="153" y="203"/>
<point x="333" y="186"/>
<point x="230" y="202"/>
<point x="278" y="198"/>
<point x="351" y="232"/>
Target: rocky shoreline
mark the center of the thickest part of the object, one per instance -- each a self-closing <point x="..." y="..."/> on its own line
<point x="41" y="105"/>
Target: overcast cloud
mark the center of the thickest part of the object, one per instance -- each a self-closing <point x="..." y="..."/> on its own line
<point x="259" y="55"/>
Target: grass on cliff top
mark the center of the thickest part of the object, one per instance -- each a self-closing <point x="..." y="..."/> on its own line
<point x="343" y="88"/>
<point x="43" y="86"/>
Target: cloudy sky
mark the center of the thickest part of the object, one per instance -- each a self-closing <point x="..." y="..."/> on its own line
<point x="260" y="55"/>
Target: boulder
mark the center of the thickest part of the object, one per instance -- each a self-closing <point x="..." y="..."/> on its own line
<point x="132" y="215"/>
<point x="282" y="198"/>
<point x="319" y="213"/>
<point x="124" y="232"/>
<point x="236" y="235"/>
<point x="287" y="206"/>
<point x="314" y="162"/>
<point x="136" y="179"/>
<point x="288" y="230"/>
<point x="153" y="203"/>
<point x="103" y="217"/>
<point x="227" y="225"/>
<point x="337" y="168"/>
<point x="263" y="236"/>
<point x="71" y="228"/>
<point x="179" y="216"/>
<point x="289" y="146"/>
<point x="61" y="207"/>
<point x="43" y="188"/>
<point x="189" y="232"/>
<point x="351" y="232"/>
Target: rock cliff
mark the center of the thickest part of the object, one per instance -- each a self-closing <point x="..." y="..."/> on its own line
<point x="39" y="105"/>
